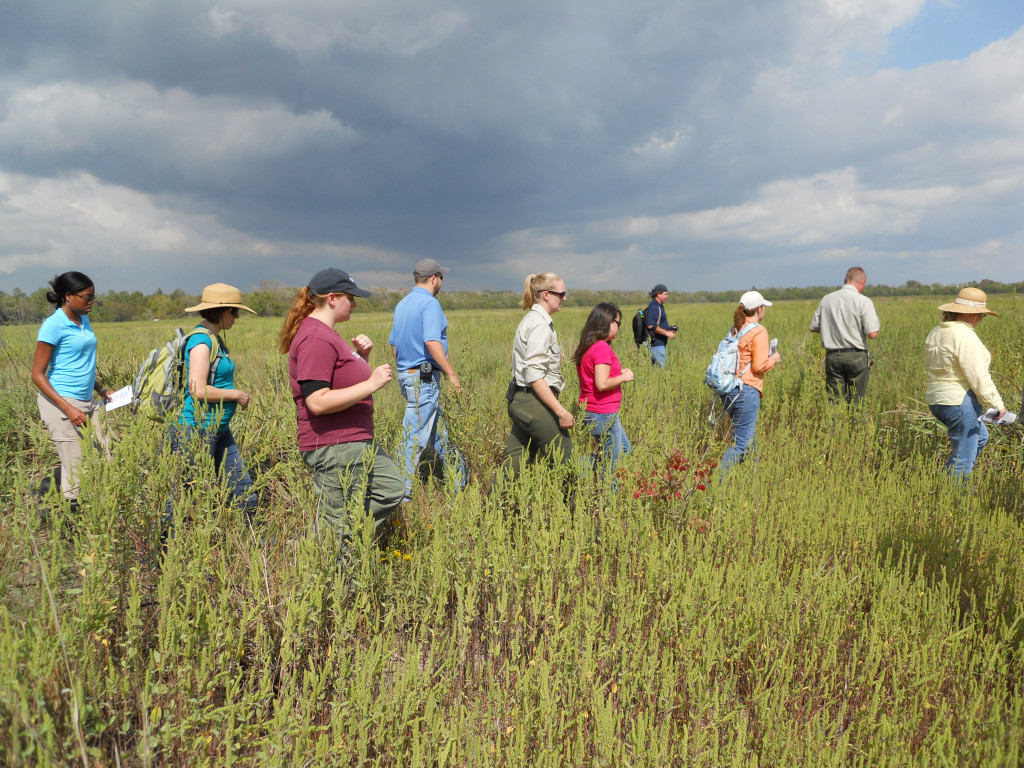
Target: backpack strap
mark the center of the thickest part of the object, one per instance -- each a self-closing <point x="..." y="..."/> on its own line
<point x="740" y="335"/>
<point x="215" y="354"/>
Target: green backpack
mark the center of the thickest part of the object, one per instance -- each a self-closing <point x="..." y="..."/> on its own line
<point x="158" y="387"/>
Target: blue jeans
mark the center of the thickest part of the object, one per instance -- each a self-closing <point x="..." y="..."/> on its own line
<point x="424" y="425"/>
<point x="659" y="355"/>
<point x="226" y="459"/>
<point x="742" y="406"/>
<point x="967" y="435"/>
<point x="607" y="428"/>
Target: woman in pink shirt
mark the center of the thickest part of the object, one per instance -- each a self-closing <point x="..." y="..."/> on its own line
<point x="601" y="379"/>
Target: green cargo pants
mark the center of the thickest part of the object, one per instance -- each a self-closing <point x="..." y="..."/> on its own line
<point x="353" y="476"/>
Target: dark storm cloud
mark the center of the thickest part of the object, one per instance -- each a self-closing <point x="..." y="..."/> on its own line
<point x="612" y="141"/>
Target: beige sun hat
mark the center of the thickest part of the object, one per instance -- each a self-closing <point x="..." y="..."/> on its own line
<point x="970" y="301"/>
<point x="219" y="295"/>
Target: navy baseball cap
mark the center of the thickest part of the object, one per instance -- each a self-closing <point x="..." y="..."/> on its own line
<point x="333" y="280"/>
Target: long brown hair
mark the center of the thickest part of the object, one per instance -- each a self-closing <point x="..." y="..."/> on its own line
<point x="597" y="328"/>
<point x="303" y="305"/>
<point x="740" y="315"/>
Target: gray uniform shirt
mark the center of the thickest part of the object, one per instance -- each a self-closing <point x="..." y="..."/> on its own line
<point x="845" y="318"/>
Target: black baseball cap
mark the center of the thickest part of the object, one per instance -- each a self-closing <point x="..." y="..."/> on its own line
<point x="333" y="280"/>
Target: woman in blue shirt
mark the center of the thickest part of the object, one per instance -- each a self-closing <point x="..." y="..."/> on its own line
<point x="211" y="397"/>
<point x="64" y="370"/>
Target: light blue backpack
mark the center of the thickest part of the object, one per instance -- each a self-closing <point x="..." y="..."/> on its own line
<point x="723" y="374"/>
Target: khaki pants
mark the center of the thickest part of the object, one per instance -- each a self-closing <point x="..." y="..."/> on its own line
<point x="68" y="438"/>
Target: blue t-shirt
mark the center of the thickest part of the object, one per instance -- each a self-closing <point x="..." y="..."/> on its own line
<point x="418" y="319"/>
<point x="223" y="379"/>
<point x="655" y="316"/>
<point x="72" y="370"/>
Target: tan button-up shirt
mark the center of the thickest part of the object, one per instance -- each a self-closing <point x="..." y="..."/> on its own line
<point x="845" y="318"/>
<point x="535" y="351"/>
<point x="957" y="361"/>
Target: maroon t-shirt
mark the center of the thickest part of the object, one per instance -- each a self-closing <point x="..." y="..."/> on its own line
<point x="318" y="353"/>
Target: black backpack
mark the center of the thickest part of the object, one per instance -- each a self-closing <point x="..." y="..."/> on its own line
<point x="640" y="332"/>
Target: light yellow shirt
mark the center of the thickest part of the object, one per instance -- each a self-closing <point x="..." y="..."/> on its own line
<point x="957" y="361"/>
<point x="535" y="351"/>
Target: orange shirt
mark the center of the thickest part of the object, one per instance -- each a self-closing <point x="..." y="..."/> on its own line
<point x="753" y="349"/>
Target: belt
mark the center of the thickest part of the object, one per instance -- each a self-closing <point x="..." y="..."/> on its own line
<point x="532" y="391"/>
<point x="417" y="370"/>
<point x="846" y="349"/>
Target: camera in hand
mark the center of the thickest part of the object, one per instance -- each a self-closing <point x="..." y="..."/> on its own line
<point x="673" y="328"/>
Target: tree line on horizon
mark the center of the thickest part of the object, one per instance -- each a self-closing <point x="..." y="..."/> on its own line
<point x="273" y="299"/>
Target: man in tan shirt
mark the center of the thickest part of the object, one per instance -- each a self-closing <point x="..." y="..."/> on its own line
<point x="846" y="319"/>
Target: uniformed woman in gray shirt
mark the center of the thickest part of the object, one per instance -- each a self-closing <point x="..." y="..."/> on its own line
<point x="540" y="423"/>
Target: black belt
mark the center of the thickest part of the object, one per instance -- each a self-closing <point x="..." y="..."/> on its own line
<point x="531" y="390"/>
<point x="846" y="349"/>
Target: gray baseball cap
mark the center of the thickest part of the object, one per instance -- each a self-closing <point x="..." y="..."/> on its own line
<point x="428" y="267"/>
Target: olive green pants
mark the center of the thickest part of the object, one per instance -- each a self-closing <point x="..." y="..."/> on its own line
<point x="535" y="432"/>
<point x="353" y="476"/>
<point x="846" y="375"/>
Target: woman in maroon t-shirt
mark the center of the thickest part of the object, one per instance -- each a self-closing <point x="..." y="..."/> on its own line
<point x="333" y="385"/>
<point x="601" y="379"/>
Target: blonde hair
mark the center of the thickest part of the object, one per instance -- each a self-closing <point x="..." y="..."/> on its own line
<point x="303" y="305"/>
<point x="535" y="285"/>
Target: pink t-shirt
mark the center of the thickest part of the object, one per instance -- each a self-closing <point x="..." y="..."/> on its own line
<point x="318" y="353"/>
<point x="600" y="353"/>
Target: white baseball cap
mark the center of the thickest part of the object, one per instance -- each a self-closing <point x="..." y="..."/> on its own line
<point x="753" y="300"/>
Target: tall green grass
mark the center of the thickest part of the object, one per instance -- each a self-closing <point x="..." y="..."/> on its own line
<point x="835" y="602"/>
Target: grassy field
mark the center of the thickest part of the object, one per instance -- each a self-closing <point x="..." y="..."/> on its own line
<point x="836" y="602"/>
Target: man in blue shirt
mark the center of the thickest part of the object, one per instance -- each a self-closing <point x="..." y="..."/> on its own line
<point x="419" y="339"/>
<point x="658" y="328"/>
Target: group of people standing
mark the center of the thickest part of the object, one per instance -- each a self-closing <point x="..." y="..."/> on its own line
<point x="333" y="383"/>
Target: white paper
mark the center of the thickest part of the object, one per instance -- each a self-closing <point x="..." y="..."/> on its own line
<point x="989" y="417"/>
<point x="123" y="396"/>
<point x="772" y="346"/>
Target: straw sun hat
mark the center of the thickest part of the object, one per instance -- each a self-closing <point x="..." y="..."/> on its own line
<point x="219" y="295"/>
<point x="970" y="301"/>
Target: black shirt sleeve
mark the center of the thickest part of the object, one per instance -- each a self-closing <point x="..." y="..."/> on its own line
<point x="309" y="386"/>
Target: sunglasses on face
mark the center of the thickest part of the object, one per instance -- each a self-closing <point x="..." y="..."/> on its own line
<point x="88" y="298"/>
<point x="560" y="294"/>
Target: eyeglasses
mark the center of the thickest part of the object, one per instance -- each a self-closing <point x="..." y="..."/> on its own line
<point x="233" y="311"/>
<point x="560" y="294"/>
<point x="89" y="299"/>
<point x="617" y="321"/>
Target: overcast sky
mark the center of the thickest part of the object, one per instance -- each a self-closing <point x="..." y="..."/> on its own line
<point x="706" y="145"/>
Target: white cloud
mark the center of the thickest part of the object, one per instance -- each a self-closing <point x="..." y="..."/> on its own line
<point x="195" y="134"/>
<point x="305" y="27"/>
<point x="66" y="223"/>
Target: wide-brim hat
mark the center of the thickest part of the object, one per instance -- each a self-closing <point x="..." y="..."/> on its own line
<point x="970" y="301"/>
<point x="220" y="295"/>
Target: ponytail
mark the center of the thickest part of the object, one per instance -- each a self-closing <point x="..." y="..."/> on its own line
<point x="65" y="284"/>
<point x="739" y="317"/>
<point x="303" y="305"/>
<point x="535" y="285"/>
